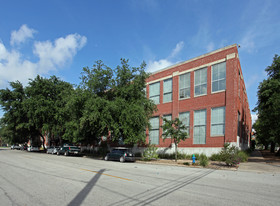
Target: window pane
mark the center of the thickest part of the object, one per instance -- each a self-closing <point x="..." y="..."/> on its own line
<point x="154" y="89"/>
<point x="154" y="137"/>
<point x="167" y="97"/>
<point x="199" y="127"/>
<point x="185" y="118"/>
<point x="154" y="130"/>
<point x="155" y="99"/>
<point x="154" y="123"/>
<point x="184" y="86"/>
<point x="200" y="82"/>
<point x="218" y="121"/>
<point x="167" y="86"/>
<point x="219" y="77"/>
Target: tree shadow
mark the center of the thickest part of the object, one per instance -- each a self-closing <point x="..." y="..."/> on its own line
<point x="84" y="192"/>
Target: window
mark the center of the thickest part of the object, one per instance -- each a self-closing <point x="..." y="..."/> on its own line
<point x="155" y="92"/>
<point x="154" y="130"/>
<point x="185" y="118"/>
<point x="199" y="136"/>
<point x="184" y="86"/>
<point x="167" y="90"/>
<point x="218" y="121"/>
<point x="219" y="77"/>
<point x="168" y="117"/>
<point x="200" y="82"/>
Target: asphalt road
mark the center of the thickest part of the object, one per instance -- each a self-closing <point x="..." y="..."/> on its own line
<point x="42" y="179"/>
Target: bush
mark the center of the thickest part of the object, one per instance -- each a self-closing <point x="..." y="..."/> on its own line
<point x="215" y="157"/>
<point x="203" y="160"/>
<point x="230" y="155"/>
<point x="172" y="156"/>
<point x="243" y="156"/>
<point x="150" y="153"/>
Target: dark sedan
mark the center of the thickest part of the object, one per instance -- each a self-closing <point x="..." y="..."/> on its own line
<point x="69" y="150"/>
<point x="121" y="154"/>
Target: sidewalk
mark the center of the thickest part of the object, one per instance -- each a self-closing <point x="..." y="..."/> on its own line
<point x="256" y="163"/>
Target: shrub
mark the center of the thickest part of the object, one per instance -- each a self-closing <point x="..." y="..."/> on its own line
<point x="186" y="163"/>
<point x="203" y="160"/>
<point x="172" y="156"/>
<point x="243" y="156"/>
<point x="150" y="153"/>
<point x="231" y="155"/>
<point x="215" y="157"/>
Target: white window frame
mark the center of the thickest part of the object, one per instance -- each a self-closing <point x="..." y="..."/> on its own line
<point x="155" y="96"/>
<point x="200" y="83"/>
<point x="218" y="80"/>
<point x="181" y="118"/>
<point x="188" y="87"/>
<point x="220" y="122"/>
<point x="197" y="140"/>
<point x="154" y="130"/>
<point x="167" y="93"/>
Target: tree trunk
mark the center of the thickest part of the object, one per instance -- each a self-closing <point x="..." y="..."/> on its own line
<point x="43" y="140"/>
<point x="272" y="147"/>
<point x="176" y="153"/>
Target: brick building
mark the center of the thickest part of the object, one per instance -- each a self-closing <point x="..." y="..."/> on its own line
<point x="208" y="94"/>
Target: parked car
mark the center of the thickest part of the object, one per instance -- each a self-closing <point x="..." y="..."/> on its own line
<point x="33" y="149"/>
<point x="15" y="146"/>
<point x="69" y="150"/>
<point x="120" y="154"/>
<point x="52" y="150"/>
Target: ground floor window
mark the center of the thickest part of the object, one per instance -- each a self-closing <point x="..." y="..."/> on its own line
<point x="218" y="121"/>
<point x="154" y="131"/>
<point x="199" y="133"/>
<point x="185" y="118"/>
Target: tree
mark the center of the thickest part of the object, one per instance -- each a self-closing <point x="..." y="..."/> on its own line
<point x="176" y="130"/>
<point x="14" y="117"/>
<point x="115" y="103"/>
<point x="45" y="106"/>
<point x="268" y="106"/>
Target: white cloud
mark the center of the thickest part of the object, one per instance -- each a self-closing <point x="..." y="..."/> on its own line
<point x="56" y="54"/>
<point x="52" y="56"/>
<point x="254" y="118"/>
<point x="157" y="65"/>
<point x="153" y="66"/>
<point x="177" y="49"/>
<point x="18" y="37"/>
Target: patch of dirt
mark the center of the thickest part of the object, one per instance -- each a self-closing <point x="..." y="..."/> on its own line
<point x="188" y="163"/>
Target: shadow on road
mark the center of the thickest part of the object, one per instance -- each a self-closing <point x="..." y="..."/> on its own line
<point x="84" y="192"/>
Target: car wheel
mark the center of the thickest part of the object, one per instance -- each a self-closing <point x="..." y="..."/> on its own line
<point x="121" y="159"/>
<point x="66" y="153"/>
<point x="57" y="153"/>
<point x="106" y="158"/>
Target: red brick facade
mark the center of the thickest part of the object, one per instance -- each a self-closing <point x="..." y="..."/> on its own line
<point x="233" y="98"/>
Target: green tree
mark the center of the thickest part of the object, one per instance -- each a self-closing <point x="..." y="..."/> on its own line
<point x="176" y="130"/>
<point x="14" y="117"/>
<point x="45" y="106"/>
<point x="113" y="102"/>
<point x="268" y="106"/>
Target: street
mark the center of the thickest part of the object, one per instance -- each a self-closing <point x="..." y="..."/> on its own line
<point x="28" y="178"/>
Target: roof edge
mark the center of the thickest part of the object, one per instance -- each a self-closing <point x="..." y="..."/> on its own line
<point x="195" y="58"/>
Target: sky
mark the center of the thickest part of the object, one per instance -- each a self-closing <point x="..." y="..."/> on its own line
<point x="60" y="37"/>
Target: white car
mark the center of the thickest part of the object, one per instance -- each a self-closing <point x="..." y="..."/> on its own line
<point x="33" y="149"/>
<point x="15" y="146"/>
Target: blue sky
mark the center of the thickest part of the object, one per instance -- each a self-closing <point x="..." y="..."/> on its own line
<point x="60" y="37"/>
